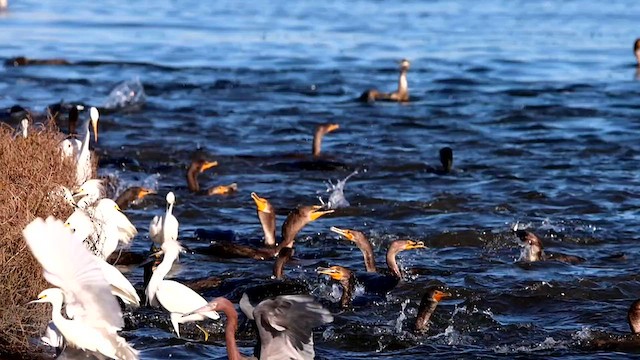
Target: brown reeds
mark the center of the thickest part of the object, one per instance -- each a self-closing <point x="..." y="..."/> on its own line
<point x="30" y="170"/>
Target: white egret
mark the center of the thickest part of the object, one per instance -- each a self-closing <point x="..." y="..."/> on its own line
<point x="24" y="127"/>
<point x="81" y="285"/>
<point x="120" y="286"/>
<point x="71" y="145"/>
<point x="165" y="227"/>
<point x="89" y="192"/>
<point x="83" y="161"/>
<point x="174" y="296"/>
<point x="102" y="226"/>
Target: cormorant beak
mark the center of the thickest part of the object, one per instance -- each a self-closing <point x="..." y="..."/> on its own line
<point x="346" y="233"/>
<point x="208" y="165"/>
<point x="414" y="245"/>
<point x="144" y="192"/>
<point x="206" y="308"/>
<point x="317" y="212"/>
<point x="333" y="127"/>
<point x="439" y="295"/>
<point x="335" y="274"/>
<point x="152" y="258"/>
<point x="261" y="203"/>
<point x="223" y="189"/>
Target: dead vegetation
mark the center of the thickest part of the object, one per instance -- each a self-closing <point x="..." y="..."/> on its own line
<point x="30" y="170"/>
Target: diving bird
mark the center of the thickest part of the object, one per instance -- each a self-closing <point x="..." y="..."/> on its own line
<point x="175" y="297"/>
<point x="285" y="326"/>
<point x="345" y="278"/>
<point x="400" y="95"/>
<point x="94" y="314"/>
<point x="532" y="250"/>
<point x="428" y="305"/>
<point x="318" y="135"/>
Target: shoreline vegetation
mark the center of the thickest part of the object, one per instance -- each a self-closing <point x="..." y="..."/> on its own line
<point x="31" y="169"/>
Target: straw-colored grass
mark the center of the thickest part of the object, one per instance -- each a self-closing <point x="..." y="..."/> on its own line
<point x="30" y="170"/>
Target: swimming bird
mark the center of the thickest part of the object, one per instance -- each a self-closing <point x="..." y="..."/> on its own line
<point x="362" y="243"/>
<point x="165" y="227"/>
<point x="175" y="297"/>
<point x="84" y="168"/>
<point x="94" y="314"/>
<point x="197" y="167"/>
<point x="636" y="50"/>
<point x="380" y="281"/>
<point x="345" y="278"/>
<point x="321" y="131"/>
<point x="428" y="305"/>
<point x="446" y="160"/>
<point x="297" y="219"/>
<point x="132" y="194"/>
<point x="400" y="95"/>
<point x="532" y="250"/>
<point x="285" y="326"/>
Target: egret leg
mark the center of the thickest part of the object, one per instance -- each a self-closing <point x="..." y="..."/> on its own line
<point x="205" y="332"/>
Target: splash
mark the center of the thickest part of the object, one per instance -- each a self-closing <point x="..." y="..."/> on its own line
<point x="336" y="198"/>
<point x="128" y="93"/>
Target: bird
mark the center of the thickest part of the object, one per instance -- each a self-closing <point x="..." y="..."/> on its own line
<point x="71" y="145"/>
<point x="532" y="250"/>
<point x="80" y="284"/>
<point x="197" y="167"/>
<point x="446" y="160"/>
<point x="297" y="219"/>
<point x="285" y="325"/>
<point x="173" y="296"/>
<point x="131" y="195"/>
<point x="102" y="226"/>
<point x="318" y="135"/>
<point x="165" y="227"/>
<point x="345" y="278"/>
<point x="428" y="305"/>
<point x="400" y="95"/>
<point x="636" y="50"/>
<point x="84" y="167"/>
<point x="89" y="193"/>
<point x="362" y="243"/>
<point x="379" y="281"/>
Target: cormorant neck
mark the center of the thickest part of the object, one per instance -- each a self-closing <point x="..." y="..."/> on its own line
<point x="426" y="309"/>
<point x="126" y="198"/>
<point x="403" y="85"/>
<point x="283" y="257"/>
<point x="633" y="317"/>
<point x="192" y="179"/>
<point x="367" y="253"/>
<point x="391" y="262"/>
<point x="268" y="222"/>
<point x="348" y="286"/>
<point x="230" y="328"/>
<point x="292" y="225"/>
<point x="317" y="141"/>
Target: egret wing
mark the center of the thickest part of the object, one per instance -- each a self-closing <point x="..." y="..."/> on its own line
<point x="178" y="298"/>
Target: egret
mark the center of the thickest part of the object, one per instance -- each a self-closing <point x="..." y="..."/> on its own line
<point x="83" y="161"/>
<point x="175" y="297"/>
<point x="79" y="283"/>
<point x="165" y="227"/>
<point x="89" y="192"/>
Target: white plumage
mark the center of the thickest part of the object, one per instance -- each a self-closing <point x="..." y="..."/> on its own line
<point x="80" y="284"/>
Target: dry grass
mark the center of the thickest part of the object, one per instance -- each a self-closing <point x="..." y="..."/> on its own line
<point x="30" y="169"/>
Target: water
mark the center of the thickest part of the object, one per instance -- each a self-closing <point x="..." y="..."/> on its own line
<point x="538" y="100"/>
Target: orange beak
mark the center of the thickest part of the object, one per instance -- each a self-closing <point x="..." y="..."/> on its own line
<point x="333" y="127"/>
<point x="414" y="245"/>
<point x="318" y="212"/>
<point x="208" y="165"/>
<point x="144" y="192"/>
<point x="261" y="203"/>
<point x="224" y="189"/>
<point x="346" y="233"/>
<point x="439" y="295"/>
<point x="334" y="272"/>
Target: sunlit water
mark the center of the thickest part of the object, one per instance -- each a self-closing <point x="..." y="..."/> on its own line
<point x="538" y="100"/>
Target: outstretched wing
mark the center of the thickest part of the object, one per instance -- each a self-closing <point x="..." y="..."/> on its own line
<point x="68" y="264"/>
<point x="286" y="323"/>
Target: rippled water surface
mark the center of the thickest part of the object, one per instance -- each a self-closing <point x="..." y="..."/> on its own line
<point x="539" y="101"/>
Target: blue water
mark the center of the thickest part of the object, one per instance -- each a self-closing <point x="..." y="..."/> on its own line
<point x="539" y="101"/>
